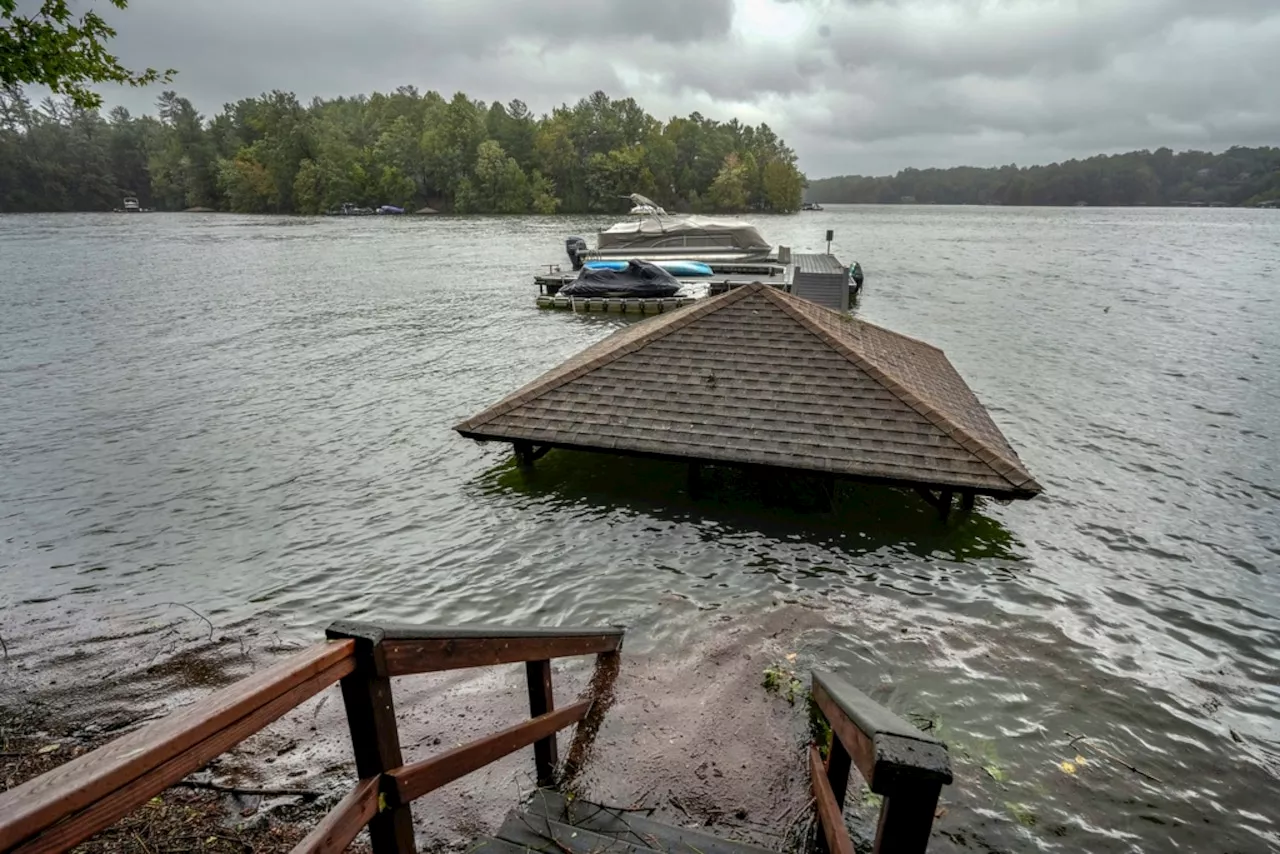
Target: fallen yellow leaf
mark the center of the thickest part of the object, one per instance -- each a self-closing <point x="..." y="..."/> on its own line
<point x="1067" y="766"/>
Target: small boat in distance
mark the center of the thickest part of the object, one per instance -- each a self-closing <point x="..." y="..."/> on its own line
<point x="349" y="209"/>
<point x="811" y="206"/>
<point x="131" y="206"/>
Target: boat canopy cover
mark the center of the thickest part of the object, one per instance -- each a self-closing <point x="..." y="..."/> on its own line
<point x="638" y="279"/>
<point x="696" y="231"/>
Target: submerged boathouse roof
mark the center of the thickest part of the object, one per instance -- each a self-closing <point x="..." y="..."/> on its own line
<point x="759" y="377"/>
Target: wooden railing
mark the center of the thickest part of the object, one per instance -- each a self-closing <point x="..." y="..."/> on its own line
<point x="67" y="805"/>
<point x="907" y="767"/>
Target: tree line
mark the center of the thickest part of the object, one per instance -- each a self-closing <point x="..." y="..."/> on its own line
<point x="1238" y="176"/>
<point x="273" y="154"/>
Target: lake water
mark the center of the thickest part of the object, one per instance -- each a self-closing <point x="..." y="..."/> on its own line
<point x="252" y="416"/>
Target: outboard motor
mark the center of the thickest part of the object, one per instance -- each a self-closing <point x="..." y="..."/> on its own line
<point x="576" y="247"/>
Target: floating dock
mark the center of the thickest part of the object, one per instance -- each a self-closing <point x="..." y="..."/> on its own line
<point x="819" y="278"/>
<point x="615" y="305"/>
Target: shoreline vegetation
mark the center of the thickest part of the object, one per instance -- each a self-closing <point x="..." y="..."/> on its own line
<point x="273" y="154"/>
<point x="1239" y="176"/>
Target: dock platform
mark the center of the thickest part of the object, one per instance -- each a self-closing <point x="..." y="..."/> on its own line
<point x="820" y="278"/>
<point x="615" y="305"/>
<point x="554" y="824"/>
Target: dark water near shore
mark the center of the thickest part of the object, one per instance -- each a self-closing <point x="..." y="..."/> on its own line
<point x="252" y="416"/>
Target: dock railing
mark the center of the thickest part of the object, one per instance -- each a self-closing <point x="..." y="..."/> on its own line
<point x="67" y="805"/>
<point x="905" y="766"/>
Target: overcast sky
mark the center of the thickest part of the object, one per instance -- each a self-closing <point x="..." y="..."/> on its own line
<point x="855" y="86"/>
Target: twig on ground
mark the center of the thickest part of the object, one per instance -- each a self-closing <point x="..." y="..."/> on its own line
<point x="1108" y="754"/>
<point x="207" y="621"/>
<point x="795" y="818"/>
<point x="309" y="794"/>
<point x="612" y="808"/>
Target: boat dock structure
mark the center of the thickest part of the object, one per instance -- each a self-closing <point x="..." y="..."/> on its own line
<point x="757" y="377"/>
<point x="69" y="804"/>
<point x="820" y="278"/>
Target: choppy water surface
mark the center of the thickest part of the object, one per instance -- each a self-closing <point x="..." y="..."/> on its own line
<point x="252" y="416"/>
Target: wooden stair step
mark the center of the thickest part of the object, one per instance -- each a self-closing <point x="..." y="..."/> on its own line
<point x="488" y="845"/>
<point x="632" y="827"/>
<point x="545" y="835"/>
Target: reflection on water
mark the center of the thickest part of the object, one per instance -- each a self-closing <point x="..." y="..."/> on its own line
<point x="854" y="518"/>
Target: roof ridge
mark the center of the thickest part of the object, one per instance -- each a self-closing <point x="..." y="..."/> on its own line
<point x="980" y="449"/>
<point x="544" y="384"/>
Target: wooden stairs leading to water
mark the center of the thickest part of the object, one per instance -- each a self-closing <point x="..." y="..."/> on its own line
<point x="551" y="824"/>
<point x="66" y="806"/>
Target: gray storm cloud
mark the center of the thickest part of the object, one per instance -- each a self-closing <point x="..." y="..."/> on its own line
<point x="854" y="86"/>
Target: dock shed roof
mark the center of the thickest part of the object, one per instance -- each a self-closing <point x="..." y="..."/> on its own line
<point x="760" y="377"/>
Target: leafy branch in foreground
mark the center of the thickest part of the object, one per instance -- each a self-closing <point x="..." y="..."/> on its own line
<point x="55" y="49"/>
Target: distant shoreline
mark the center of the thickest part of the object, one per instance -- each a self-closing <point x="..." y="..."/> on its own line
<point x="1237" y="177"/>
<point x="1272" y="205"/>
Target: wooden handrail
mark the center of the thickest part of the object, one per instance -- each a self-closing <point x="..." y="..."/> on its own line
<point x="419" y="778"/>
<point x="344" y="822"/>
<point x="426" y="649"/>
<point x="91" y="791"/>
<point x="59" y="809"/>
<point x="830" y="819"/>
<point x="898" y="761"/>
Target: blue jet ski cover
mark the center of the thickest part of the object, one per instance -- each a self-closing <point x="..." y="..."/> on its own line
<point x="639" y="279"/>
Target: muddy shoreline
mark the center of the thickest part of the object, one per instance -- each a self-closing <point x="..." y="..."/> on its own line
<point x="692" y="735"/>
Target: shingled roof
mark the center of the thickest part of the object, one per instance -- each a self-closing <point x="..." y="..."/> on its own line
<point x="756" y="376"/>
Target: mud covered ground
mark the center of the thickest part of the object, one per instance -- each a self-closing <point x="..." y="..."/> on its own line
<point x="692" y="735"/>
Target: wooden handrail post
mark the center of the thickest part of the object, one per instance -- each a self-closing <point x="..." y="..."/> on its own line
<point x="838" y="764"/>
<point x="375" y="737"/>
<point x="906" y="818"/>
<point x="898" y="761"/>
<point x="546" y="755"/>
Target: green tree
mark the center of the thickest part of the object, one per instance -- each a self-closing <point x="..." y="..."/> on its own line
<point x="400" y="146"/>
<point x="728" y="191"/>
<point x="542" y="194"/>
<point x="394" y="187"/>
<point x="498" y="186"/>
<point x="248" y="184"/>
<point x="783" y="186"/>
<point x="53" y="48"/>
<point x="558" y="159"/>
<point x="308" y="188"/>
<point x="453" y="134"/>
<point x="617" y="174"/>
